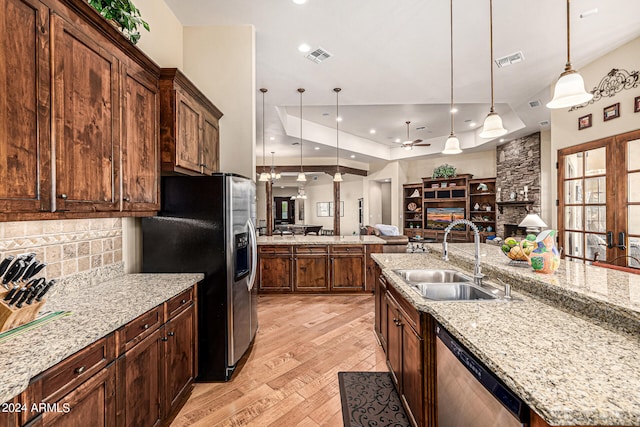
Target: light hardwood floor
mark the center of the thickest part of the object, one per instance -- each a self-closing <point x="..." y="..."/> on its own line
<point x="290" y="377"/>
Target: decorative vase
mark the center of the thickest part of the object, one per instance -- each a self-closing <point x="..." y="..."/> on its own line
<point x="545" y="258"/>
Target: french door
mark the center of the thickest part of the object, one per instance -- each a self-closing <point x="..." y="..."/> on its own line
<point x="599" y="200"/>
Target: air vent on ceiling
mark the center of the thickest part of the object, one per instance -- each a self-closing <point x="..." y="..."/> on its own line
<point x="318" y="55"/>
<point x="544" y="123"/>
<point x="510" y="59"/>
<point x="535" y="104"/>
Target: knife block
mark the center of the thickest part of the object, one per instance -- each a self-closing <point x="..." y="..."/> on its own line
<point x="12" y="317"/>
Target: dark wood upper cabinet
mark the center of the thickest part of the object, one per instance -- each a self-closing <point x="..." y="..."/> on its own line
<point x="140" y="139"/>
<point x="189" y="131"/>
<point x="25" y="152"/>
<point x="85" y="120"/>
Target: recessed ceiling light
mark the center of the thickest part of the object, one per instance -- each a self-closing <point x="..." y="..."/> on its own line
<point x="454" y="110"/>
<point x="316" y="148"/>
<point x="353" y="156"/>
<point x="272" y="138"/>
<point x="282" y="186"/>
<point x="339" y="119"/>
<point x="397" y="140"/>
<point x="472" y="124"/>
<point x="299" y="1"/>
<point x="501" y="139"/>
<point x="304" y="48"/>
<point x="387" y="180"/>
<point x="372" y="131"/>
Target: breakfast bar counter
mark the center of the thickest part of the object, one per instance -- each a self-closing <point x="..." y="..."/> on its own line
<point x="568" y="367"/>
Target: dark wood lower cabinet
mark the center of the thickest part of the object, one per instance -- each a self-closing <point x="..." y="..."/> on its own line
<point x="179" y="355"/>
<point x="311" y="273"/>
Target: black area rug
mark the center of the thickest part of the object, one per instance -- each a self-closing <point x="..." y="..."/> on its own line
<point x="370" y="399"/>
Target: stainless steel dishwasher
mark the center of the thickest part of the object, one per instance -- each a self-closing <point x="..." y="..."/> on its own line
<point x="469" y="394"/>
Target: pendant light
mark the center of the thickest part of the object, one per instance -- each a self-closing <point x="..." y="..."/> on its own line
<point x="492" y="127"/>
<point x="569" y="90"/>
<point x="264" y="176"/>
<point x="301" y="175"/>
<point x="273" y="175"/>
<point x="338" y="176"/>
<point x="452" y="146"/>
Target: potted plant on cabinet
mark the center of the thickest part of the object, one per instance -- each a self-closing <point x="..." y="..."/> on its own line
<point x="444" y="171"/>
<point x="124" y="14"/>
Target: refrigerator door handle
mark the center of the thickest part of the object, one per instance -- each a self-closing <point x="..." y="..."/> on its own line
<point x="254" y="254"/>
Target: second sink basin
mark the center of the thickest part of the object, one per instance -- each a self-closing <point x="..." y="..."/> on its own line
<point x="452" y="292"/>
<point x="433" y="276"/>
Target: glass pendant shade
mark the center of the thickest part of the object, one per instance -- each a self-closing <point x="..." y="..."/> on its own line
<point x="337" y="177"/>
<point x="492" y="127"/>
<point x="264" y="176"/>
<point x="569" y="91"/>
<point x="452" y="146"/>
<point x="301" y="177"/>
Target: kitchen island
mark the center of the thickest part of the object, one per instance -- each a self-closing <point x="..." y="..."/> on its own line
<point x="109" y="325"/>
<point x="316" y="264"/>
<point x="570" y="368"/>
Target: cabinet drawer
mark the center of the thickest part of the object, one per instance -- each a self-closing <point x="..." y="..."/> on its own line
<point x="75" y="369"/>
<point x="348" y="249"/>
<point x="277" y="249"/>
<point x="134" y="331"/>
<point x="310" y="250"/>
<point x="178" y="303"/>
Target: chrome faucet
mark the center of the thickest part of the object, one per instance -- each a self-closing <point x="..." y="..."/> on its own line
<point x="477" y="271"/>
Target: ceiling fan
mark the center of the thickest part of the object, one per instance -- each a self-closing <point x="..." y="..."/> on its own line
<point x="408" y="144"/>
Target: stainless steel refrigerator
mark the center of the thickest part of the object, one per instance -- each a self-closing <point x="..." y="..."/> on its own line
<point x="207" y="225"/>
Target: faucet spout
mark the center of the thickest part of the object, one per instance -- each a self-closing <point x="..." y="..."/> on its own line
<point x="477" y="271"/>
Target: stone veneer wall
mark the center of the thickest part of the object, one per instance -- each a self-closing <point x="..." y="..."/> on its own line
<point x="517" y="165"/>
<point x="72" y="247"/>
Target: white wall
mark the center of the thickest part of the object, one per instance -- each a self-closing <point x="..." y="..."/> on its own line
<point x="385" y="189"/>
<point x="163" y="43"/>
<point x="221" y="62"/>
<point x="564" y="123"/>
<point x="480" y="165"/>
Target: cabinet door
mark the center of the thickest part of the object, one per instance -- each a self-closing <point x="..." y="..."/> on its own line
<point x="85" y="120"/>
<point x="25" y="151"/>
<point x="139" y="383"/>
<point x="210" y="145"/>
<point x="275" y="273"/>
<point x="140" y="144"/>
<point x="347" y="272"/>
<point x="188" y="118"/>
<point x="381" y="310"/>
<point x="179" y="357"/>
<point x="91" y="404"/>
<point x="412" y="375"/>
<point x="311" y="273"/>
<point x="394" y="342"/>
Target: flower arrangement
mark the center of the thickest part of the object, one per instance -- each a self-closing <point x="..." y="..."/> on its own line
<point x="444" y="171"/>
<point x="123" y="13"/>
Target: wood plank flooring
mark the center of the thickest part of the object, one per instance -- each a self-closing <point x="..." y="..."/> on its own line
<point x="290" y="376"/>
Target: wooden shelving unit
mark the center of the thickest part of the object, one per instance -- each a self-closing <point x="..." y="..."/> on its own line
<point x="482" y="203"/>
<point x="412" y="209"/>
<point x="445" y="197"/>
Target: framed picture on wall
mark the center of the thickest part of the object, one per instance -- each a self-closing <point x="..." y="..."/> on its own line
<point x="585" y="121"/>
<point x="341" y="208"/>
<point x="636" y="104"/>
<point x="611" y="112"/>
<point x="323" y="209"/>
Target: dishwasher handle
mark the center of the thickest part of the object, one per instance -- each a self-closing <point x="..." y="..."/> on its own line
<point x="491" y="383"/>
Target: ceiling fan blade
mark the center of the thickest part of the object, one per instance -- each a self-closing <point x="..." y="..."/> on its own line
<point x="416" y="141"/>
<point x="422" y="145"/>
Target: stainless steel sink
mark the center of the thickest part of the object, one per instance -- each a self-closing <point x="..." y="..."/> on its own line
<point x="453" y="292"/>
<point x="433" y="276"/>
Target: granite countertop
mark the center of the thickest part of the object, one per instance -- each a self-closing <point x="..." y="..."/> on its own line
<point x="567" y="368"/>
<point x="97" y="310"/>
<point x="320" y="240"/>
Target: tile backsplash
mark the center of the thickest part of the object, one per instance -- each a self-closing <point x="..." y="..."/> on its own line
<point x="68" y="247"/>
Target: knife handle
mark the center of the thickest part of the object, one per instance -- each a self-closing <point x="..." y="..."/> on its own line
<point x="23" y="298"/>
<point x="11" y="293"/>
<point x="17" y="296"/>
<point x="46" y="289"/>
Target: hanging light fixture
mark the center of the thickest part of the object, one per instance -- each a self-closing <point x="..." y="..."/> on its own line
<point x="301" y="175"/>
<point x="569" y="90"/>
<point x="492" y="127"/>
<point x="264" y="176"/>
<point x="452" y="146"/>
<point x="273" y="175"/>
<point x="338" y="176"/>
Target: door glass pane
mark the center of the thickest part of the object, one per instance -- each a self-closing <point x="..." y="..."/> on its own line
<point x="573" y="166"/>
<point x="573" y="217"/>
<point x="634" y="251"/>
<point x="596" y="244"/>
<point x="595" y="162"/>
<point x="285" y="210"/>
<point x="573" y="243"/>
<point x="633" y="157"/>
<point x="573" y="191"/>
<point x="596" y="218"/>
<point x="595" y="190"/>
<point x="633" y="185"/>
<point x="633" y="215"/>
